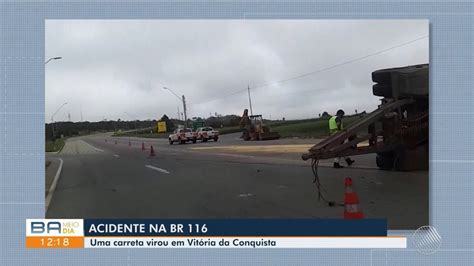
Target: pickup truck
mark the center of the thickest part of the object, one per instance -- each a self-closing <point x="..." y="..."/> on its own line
<point x="207" y="133"/>
<point x="182" y="135"/>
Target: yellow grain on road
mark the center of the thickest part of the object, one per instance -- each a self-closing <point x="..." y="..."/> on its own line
<point x="285" y="148"/>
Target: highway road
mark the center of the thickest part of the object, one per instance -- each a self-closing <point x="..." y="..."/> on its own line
<point x="101" y="179"/>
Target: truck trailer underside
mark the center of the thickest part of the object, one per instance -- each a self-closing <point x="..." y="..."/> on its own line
<point x="397" y="131"/>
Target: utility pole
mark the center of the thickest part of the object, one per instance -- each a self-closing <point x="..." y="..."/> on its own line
<point x="179" y="113"/>
<point x="250" y="101"/>
<point x="185" y="115"/>
<point x="52" y="117"/>
<point x="184" y="103"/>
<point x="52" y="120"/>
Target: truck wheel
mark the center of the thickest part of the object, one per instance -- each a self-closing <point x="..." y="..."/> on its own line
<point x="182" y="141"/>
<point x="171" y="142"/>
<point x="204" y="140"/>
<point x="412" y="160"/>
<point x="385" y="160"/>
<point x="194" y="140"/>
<point x="382" y="90"/>
<point x="383" y="76"/>
<point x="216" y="138"/>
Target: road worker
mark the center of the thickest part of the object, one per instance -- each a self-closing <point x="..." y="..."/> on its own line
<point x="336" y="125"/>
<point x="245" y="124"/>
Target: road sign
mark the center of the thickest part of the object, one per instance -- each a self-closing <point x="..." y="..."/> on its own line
<point x="161" y="126"/>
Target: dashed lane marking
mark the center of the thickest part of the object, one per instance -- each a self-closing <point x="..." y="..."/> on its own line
<point x="157" y="169"/>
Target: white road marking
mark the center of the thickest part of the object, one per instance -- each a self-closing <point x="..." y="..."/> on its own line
<point x="157" y="169"/>
<point x="53" y="185"/>
<point x="97" y="149"/>
<point x="116" y="155"/>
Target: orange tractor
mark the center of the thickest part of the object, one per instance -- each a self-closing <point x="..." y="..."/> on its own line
<point x="257" y="130"/>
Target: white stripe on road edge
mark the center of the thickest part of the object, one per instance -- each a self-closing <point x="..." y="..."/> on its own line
<point x="97" y="149"/>
<point x="116" y="155"/>
<point x="53" y="185"/>
<point x="157" y="169"/>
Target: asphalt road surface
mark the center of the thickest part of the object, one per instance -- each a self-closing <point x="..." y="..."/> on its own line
<point x="101" y="179"/>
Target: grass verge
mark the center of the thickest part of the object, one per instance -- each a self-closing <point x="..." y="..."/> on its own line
<point x="54" y="146"/>
<point x="228" y="130"/>
<point x="314" y="128"/>
<point x="141" y="133"/>
<point x="145" y="135"/>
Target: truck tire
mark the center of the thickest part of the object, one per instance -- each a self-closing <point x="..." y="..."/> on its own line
<point x="385" y="160"/>
<point x="181" y="141"/>
<point x="204" y="139"/>
<point x="404" y="159"/>
<point x="246" y="135"/>
<point x="412" y="160"/>
<point x="382" y="90"/>
<point x="216" y="138"/>
<point x="383" y="76"/>
<point x="171" y="142"/>
<point x="194" y="140"/>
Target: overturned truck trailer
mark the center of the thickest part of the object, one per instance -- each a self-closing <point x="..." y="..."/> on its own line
<point x="397" y="131"/>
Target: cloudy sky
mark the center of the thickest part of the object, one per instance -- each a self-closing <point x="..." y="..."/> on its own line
<point x="117" y="68"/>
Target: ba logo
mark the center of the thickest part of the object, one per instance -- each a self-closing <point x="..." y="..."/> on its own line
<point x="45" y="227"/>
<point x="54" y="227"/>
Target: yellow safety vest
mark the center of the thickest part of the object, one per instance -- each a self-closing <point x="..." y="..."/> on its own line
<point x="333" y="125"/>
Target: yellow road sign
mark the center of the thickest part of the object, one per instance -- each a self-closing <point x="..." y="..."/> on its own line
<point x="161" y="126"/>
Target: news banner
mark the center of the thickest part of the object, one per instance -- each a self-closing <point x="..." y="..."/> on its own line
<point x="240" y="233"/>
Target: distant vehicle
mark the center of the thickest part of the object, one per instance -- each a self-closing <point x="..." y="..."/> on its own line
<point x="207" y="133"/>
<point x="182" y="135"/>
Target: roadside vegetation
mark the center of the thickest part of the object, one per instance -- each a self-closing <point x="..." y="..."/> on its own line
<point x="228" y="130"/>
<point x="54" y="146"/>
<point x="142" y="134"/>
<point x="305" y="128"/>
<point x="309" y="128"/>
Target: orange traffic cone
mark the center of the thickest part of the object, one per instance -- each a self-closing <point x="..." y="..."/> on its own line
<point x="143" y="146"/>
<point x="152" y="151"/>
<point x="351" y="202"/>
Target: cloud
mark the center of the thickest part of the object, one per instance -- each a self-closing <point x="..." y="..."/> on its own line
<point x="110" y="67"/>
